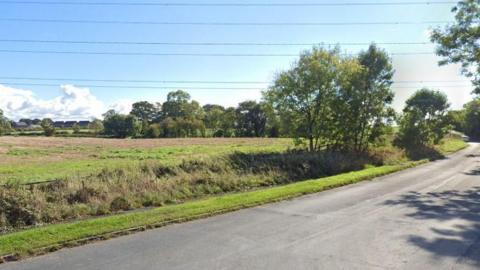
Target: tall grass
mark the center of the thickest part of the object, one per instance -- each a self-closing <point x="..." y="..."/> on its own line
<point x="152" y="183"/>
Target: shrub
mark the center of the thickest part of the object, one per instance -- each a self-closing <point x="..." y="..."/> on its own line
<point x="83" y="195"/>
<point x="154" y="131"/>
<point x="120" y="203"/>
<point x="48" y="127"/>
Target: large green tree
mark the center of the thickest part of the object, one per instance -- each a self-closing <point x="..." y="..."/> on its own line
<point x="120" y="125"/>
<point x="375" y="97"/>
<point x="472" y="119"/>
<point x="361" y="107"/>
<point x="459" y="42"/>
<point x="302" y="96"/>
<point x="178" y="104"/>
<point x="457" y="119"/>
<point x="213" y="117"/>
<point x="145" y="111"/>
<point x="251" y="119"/>
<point x="182" y="117"/>
<point x="424" y="121"/>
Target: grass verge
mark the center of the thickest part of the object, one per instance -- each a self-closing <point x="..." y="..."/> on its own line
<point x="40" y="240"/>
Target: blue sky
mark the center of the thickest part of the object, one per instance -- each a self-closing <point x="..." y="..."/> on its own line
<point x="418" y="67"/>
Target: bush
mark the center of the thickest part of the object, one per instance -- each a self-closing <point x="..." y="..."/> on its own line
<point x="48" y="127"/>
<point x="17" y="209"/>
<point x="119" y="204"/>
<point x="154" y="131"/>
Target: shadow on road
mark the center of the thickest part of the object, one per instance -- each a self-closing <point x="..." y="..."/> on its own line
<point x="473" y="172"/>
<point x="449" y="207"/>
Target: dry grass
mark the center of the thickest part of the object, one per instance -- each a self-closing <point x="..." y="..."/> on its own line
<point x="48" y="142"/>
<point x="153" y="184"/>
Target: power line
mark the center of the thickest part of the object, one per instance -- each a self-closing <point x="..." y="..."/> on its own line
<point x="133" y="81"/>
<point x="206" y="43"/>
<point x="138" y="87"/>
<point x="180" y="54"/>
<point x="430" y="86"/>
<point x="187" y="81"/>
<point x="440" y="81"/>
<point x="193" y="87"/>
<point x="27" y="20"/>
<point x="206" y="4"/>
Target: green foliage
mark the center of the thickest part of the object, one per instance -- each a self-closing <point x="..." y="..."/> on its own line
<point x="48" y="127"/>
<point x="457" y="119"/>
<point x="458" y="42"/>
<point x="182" y="127"/>
<point x="213" y="116"/>
<point x="97" y="126"/>
<point x="178" y="105"/>
<point x="424" y="121"/>
<point x="120" y="125"/>
<point x="303" y="94"/>
<point x="146" y="111"/>
<point x="334" y="101"/>
<point x="251" y="120"/>
<point x="154" y="131"/>
<point x="4" y="124"/>
<point x="182" y="117"/>
<point x="472" y="119"/>
<point x="227" y="123"/>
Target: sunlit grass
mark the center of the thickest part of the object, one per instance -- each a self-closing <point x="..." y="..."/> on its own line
<point x="34" y="240"/>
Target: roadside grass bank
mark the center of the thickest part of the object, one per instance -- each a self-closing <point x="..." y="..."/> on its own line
<point x="44" y="239"/>
<point x="154" y="183"/>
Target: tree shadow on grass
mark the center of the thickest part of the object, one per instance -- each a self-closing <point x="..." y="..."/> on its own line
<point x="462" y="241"/>
<point x="300" y="165"/>
<point x="423" y="152"/>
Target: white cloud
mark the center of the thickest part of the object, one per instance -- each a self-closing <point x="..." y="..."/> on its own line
<point x="74" y="104"/>
<point x="447" y="79"/>
<point x="123" y="106"/>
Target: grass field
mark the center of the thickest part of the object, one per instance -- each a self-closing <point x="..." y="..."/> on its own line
<point x="37" y="159"/>
<point x="72" y="179"/>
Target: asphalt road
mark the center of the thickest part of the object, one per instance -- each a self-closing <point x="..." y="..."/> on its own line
<point x="423" y="218"/>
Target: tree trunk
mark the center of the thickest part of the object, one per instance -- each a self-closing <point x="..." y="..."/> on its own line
<point x="311" y="147"/>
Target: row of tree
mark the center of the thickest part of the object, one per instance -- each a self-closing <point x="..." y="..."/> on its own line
<point x="179" y="116"/>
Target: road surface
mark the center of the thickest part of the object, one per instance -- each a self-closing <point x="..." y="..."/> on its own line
<point x="423" y="218"/>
